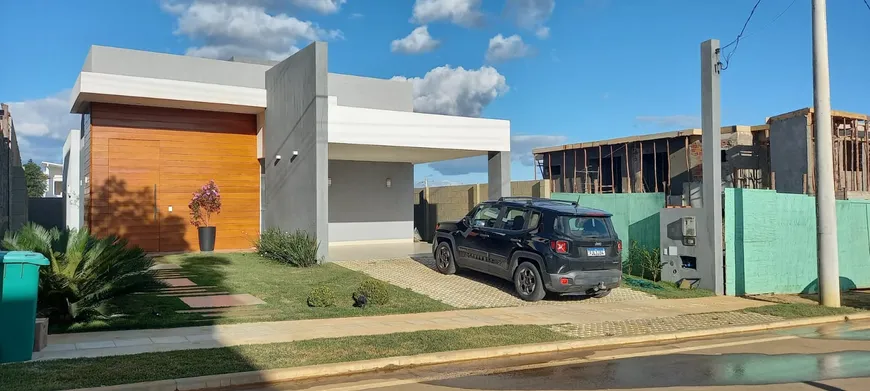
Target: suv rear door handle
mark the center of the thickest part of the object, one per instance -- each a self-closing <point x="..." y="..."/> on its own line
<point x="515" y="240"/>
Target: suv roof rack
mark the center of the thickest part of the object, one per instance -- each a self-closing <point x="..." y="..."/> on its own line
<point x="530" y="200"/>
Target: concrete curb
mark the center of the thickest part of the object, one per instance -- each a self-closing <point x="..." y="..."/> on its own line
<point x="346" y="368"/>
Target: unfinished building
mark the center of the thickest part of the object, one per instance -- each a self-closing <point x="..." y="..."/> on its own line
<point x="792" y="152"/>
<point x="778" y="155"/>
<point x="663" y="162"/>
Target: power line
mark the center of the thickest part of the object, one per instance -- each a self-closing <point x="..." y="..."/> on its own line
<point x="736" y="41"/>
<point x="867" y="4"/>
<point x="772" y="21"/>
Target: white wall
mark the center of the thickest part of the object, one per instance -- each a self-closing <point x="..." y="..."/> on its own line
<point x="363" y="208"/>
<point x="71" y="180"/>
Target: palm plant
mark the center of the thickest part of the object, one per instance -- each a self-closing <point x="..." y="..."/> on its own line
<point x="85" y="272"/>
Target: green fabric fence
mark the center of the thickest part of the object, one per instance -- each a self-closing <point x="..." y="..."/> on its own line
<point x="770" y="243"/>
<point x="635" y="215"/>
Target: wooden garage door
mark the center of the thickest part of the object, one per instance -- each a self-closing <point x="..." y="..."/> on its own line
<point x="173" y="153"/>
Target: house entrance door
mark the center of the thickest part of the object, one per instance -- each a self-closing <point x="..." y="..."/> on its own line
<point x="125" y="204"/>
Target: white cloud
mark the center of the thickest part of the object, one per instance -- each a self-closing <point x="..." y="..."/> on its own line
<point x="235" y="28"/>
<point x="671" y="121"/>
<point x="462" y="12"/>
<point x="531" y="14"/>
<point x="456" y="91"/>
<point x="356" y="15"/>
<point x="41" y="125"/>
<point x="521" y="152"/>
<point x="419" y="41"/>
<point x="503" y="49"/>
<point x="321" y="6"/>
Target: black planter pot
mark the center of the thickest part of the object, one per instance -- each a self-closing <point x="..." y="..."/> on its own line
<point x="206" y="238"/>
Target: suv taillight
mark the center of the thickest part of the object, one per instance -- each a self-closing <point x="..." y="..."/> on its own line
<point x="559" y="246"/>
<point x="619" y="246"/>
<point x="438" y="226"/>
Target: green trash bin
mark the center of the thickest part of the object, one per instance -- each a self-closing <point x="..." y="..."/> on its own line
<point x="19" y="285"/>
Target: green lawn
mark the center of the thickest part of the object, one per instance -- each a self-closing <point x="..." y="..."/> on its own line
<point x="801" y="310"/>
<point x="284" y="288"/>
<point x="662" y="289"/>
<point x="105" y="371"/>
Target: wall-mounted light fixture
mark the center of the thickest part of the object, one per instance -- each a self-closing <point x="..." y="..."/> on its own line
<point x="328" y="181"/>
<point x="389" y="182"/>
<point x="295" y="155"/>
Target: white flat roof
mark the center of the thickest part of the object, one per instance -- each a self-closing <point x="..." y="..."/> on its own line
<point x="361" y="126"/>
<point x="384" y="129"/>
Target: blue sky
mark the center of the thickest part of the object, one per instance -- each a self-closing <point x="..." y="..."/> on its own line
<point x="606" y="68"/>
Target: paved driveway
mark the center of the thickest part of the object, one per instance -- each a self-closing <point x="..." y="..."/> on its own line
<point x="467" y="289"/>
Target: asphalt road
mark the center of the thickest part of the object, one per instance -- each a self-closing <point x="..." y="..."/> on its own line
<point x="831" y="357"/>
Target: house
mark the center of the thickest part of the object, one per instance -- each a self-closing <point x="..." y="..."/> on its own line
<point x="53" y="179"/>
<point x="778" y="154"/>
<point x="290" y="145"/>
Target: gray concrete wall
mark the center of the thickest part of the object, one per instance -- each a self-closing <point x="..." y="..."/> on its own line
<point x="296" y="191"/>
<point x="362" y="207"/>
<point x="788" y="153"/>
<point x="370" y="93"/>
<point x="129" y="62"/>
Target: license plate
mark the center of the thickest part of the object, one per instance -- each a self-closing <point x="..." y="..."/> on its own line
<point x="596" y="252"/>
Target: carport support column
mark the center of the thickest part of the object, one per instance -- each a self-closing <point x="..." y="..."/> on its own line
<point x="499" y="174"/>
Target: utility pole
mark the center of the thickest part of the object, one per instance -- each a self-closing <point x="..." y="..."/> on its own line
<point x="711" y="136"/>
<point x="826" y="214"/>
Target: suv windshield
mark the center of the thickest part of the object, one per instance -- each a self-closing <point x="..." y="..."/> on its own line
<point x="583" y="227"/>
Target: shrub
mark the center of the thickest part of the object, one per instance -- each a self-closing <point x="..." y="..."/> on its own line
<point x="85" y="273"/>
<point x="297" y="248"/>
<point x="321" y="297"/>
<point x="643" y="262"/>
<point x="376" y="292"/>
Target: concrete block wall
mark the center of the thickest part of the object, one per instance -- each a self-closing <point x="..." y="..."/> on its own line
<point x="770" y="243"/>
<point x="451" y="203"/>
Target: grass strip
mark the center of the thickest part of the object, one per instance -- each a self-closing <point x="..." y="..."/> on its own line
<point x="801" y="310"/>
<point x="106" y="371"/>
<point x="662" y="289"/>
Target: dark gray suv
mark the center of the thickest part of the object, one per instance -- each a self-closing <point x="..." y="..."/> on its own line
<point x="541" y="245"/>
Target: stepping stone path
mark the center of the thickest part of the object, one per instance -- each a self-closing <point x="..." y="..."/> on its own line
<point x="206" y="302"/>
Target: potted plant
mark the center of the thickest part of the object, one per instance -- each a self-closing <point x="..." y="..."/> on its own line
<point x="205" y="201"/>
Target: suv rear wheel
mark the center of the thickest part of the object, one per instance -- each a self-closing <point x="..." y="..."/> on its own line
<point x="528" y="283"/>
<point x="444" y="261"/>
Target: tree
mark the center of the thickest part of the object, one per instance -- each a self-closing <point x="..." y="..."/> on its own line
<point x="36" y="184"/>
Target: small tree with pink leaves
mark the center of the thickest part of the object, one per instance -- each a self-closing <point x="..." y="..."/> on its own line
<point x="205" y="202"/>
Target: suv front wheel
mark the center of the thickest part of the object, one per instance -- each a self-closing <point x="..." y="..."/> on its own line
<point x="528" y="283"/>
<point x="444" y="261"/>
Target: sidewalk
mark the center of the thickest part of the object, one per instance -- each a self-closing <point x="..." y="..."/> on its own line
<point x="113" y="343"/>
